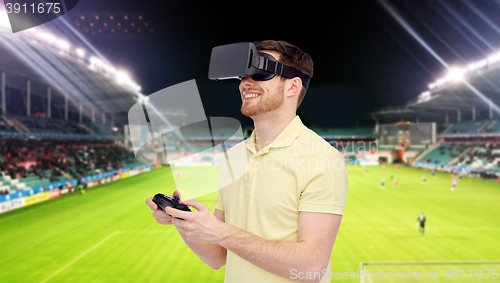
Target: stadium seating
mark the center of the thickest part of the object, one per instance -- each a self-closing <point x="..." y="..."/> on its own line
<point x="482" y="158"/>
<point x="24" y="126"/>
<point x="34" y="163"/>
<point x="475" y="128"/>
<point x="444" y="153"/>
<point x="494" y="127"/>
<point x="5" y="126"/>
<point x="466" y="127"/>
<point x="43" y="125"/>
<point x="99" y="129"/>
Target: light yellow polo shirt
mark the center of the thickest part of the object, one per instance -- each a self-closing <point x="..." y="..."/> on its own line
<point x="298" y="171"/>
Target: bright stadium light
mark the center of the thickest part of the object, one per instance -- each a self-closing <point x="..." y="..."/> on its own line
<point x="122" y="77"/>
<point x="135" y="87"/>
<point x="456" y="74"/>
<point x="4" y="19"/>
<point x="478" y="65"/>
<point x="441" y="81"/>
<point x="80" y="52"/>
<point x="95" y="62"/>
<point x="47" y="37"/>
<point x="424" y="96"/>
<point x="110" y="69"/>
<point x="494" y="58"/>
<point x="63" y="44"/>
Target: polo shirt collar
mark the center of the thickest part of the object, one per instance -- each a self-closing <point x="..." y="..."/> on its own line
<point x="284" y="139"/>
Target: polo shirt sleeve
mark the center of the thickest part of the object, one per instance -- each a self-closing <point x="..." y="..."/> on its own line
<point x="325" y="189"/>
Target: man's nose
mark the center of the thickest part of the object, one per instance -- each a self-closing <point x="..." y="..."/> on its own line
<point x="247" y="81"/>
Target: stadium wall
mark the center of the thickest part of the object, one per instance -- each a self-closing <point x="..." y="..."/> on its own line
<point x="32" y="196"/>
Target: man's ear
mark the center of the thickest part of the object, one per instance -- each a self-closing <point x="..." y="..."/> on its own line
<point x="293" y="87"/>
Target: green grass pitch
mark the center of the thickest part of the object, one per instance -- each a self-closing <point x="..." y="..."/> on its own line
<point x="110" y="235"/>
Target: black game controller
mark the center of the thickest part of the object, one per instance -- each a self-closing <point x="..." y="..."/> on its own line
<point x="162" y="201"/>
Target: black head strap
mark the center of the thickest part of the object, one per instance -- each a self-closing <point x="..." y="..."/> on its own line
<point x="280" y="69"/>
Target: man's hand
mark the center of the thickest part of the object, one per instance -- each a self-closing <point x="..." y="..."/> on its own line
<point x="158" y="213"/>
<point x="197" y="227"/>
<point x="212" y="255"/>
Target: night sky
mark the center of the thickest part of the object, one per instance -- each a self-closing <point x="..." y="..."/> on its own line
<point x="364" y="58"/>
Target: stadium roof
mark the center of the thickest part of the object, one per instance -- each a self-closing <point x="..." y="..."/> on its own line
<point x="47" y="60"/>
<point x="395" y="114"/>
<point x="479" y="90"/>
<point x="473" y="90"/>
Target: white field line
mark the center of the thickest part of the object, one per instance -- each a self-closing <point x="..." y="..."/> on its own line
<point x="79" y="257"/>
<point x="94" y="247"/>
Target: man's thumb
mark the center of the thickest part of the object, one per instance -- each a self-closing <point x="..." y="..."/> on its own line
<point x="177" y="194"/>
<point x="196" y="204"/>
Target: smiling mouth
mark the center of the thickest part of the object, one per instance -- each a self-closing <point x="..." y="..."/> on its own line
<point x="251" y="95"/>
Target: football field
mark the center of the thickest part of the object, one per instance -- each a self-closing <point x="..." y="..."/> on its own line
<point x="110" y="235"/>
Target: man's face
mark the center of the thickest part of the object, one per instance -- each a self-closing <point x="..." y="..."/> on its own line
<point x="261" y="97"/>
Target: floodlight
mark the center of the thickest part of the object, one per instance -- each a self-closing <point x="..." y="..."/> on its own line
<point x="80" y="52"/>
<point x="122" y="77"/>
<point x="478" y="65"/>
<point x="456" y="74"/>
<point x="494" y="58"/>
<point x="63" y="44"/>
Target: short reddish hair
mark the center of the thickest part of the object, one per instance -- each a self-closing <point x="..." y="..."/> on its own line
<point x="292" y="56"/>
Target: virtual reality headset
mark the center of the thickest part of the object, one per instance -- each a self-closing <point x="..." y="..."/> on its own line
<point x="239" y="60"/>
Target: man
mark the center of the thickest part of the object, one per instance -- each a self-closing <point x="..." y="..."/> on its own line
<point x="280" y="220"/>
<point x="382" y="184"/>
<point x="453" y="184"/>
<point x="424" y="179"/>
<point x="421" y="222"/>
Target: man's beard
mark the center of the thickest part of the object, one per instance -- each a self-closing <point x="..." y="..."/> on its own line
<point x="267" y="102"/>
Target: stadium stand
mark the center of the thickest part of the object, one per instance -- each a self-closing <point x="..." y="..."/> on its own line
<point x="24" y="126"/>
<point x="477" y="128"/>
<point x="99" y="129"/>
<point x="477" y="153"/>
<point x="33" y="163"/>
<point x="493" y="127"/>
<point x="5" y="126"/>
<point x="466" y="127"/>
<point x="482" y="158"/>
<point x="44" y="125"/>
<point x="61" y="122"/>
<point x="444" y="154"/>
